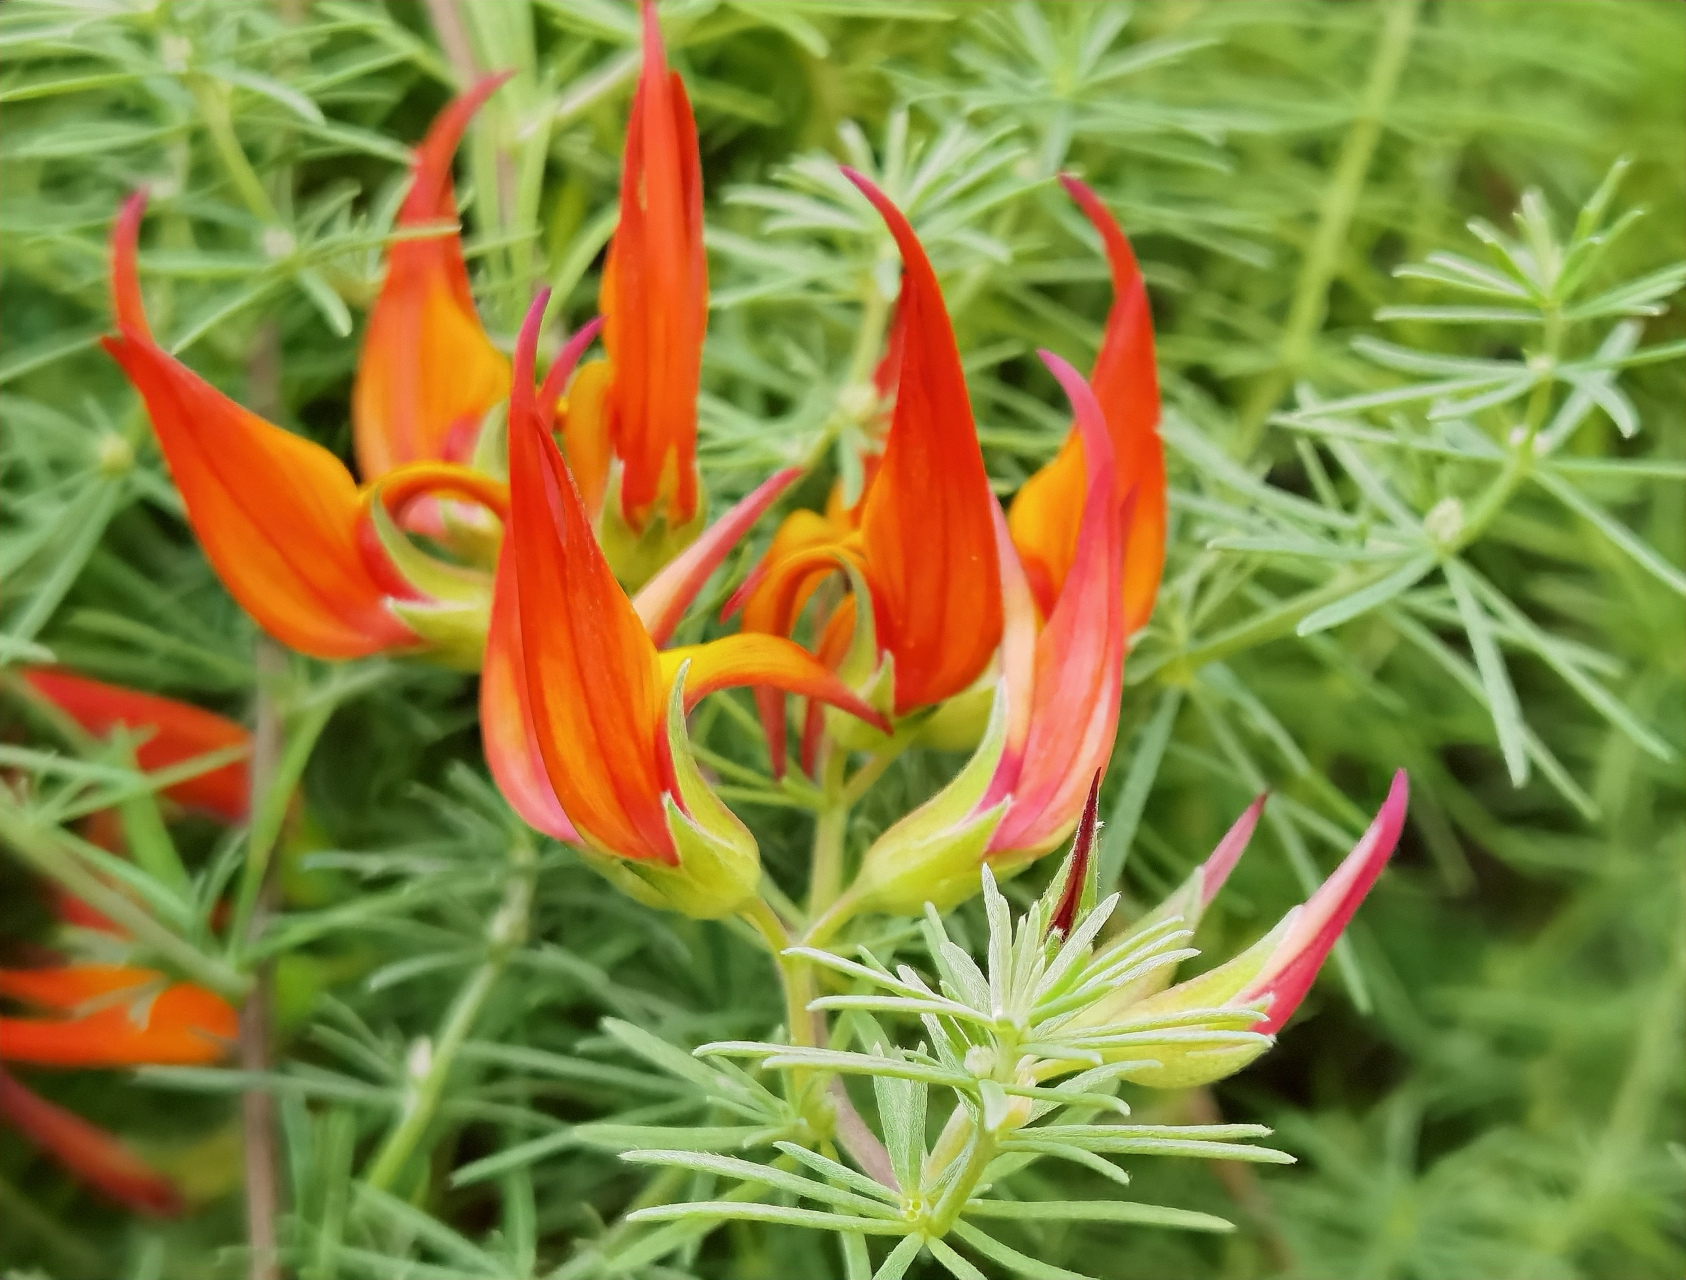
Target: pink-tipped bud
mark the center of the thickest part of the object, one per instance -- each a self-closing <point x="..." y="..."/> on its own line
<point x="1077" y="871"/>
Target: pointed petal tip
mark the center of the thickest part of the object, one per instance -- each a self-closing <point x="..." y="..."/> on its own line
<point x="1215" y="870"/>
<point x="1082" y="849"/>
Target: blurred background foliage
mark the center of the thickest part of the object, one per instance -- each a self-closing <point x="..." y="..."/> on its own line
<point x="1426" y="510"/>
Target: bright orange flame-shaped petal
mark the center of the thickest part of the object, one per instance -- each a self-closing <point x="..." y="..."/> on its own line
<point x="138" y="1019"/>
<point x="927" y="522"/>
<point x="179" y="733"/>
<point x="1045" y="513"/>
<point x="428" y="373"/>
<point x="276" y="514"/>
<point x="654" y="298"/>
<point x="90" y="1153"/>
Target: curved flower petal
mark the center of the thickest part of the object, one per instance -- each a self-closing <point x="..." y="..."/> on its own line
<point x="276" y="514"/>
<point x="654" y="298"/>
<point x="749" y="658"/>
<point x="90" y="1153"/>
<point x="1079" y="659"/>
<point x="428" y="372"/>
<point x="1043" y="517"/>
<point x="1294" y="962"/>
<point x="507" y="729"/>
<point x="178" y="1025"/>
<point x="926" y="521"/>
<point x="661" y="602"/>
<point x="179" y="732"/>
<point x="592" y="673"/>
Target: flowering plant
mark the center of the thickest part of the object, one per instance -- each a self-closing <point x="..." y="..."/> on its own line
<point x="789" y="681"/>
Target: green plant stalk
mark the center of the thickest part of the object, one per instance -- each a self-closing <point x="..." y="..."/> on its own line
<point x="795" y="975"/>
<point x="40" y="847"/>
<point x="506" y="932"/>
<point x="213" y="109"/>
<point x="979" y="1152"/>
<point x="825" y="869"/>
<point x="1310" y="302"/>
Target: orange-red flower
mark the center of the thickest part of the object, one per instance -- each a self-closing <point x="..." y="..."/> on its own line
<point x="1055" y="714"/>
<point x="174" y="733"/>
<point x="279" y="517"/>
<point x="922" y="537"/>
<point x="89" y="1152"/>
<point x="1044" y="516"/>
<point x="607" y="708"/>
<point x="113" y="1016"/>
<point x="639" y="408"/>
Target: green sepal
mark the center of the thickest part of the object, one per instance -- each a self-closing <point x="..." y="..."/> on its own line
<point x="637" y="557"/>
<point x="719" y="863"/>
<point x="933" y="854"/>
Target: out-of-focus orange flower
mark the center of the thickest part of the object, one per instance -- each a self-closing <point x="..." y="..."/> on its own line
<point x="87" y="1151"/>
<point x="638" y="409"/>
<point x="1045" y="514"/>
<point x="922" y="537"/>
<point x="311" y="558"/>
<point x="175" y="733"/>
<point x="113" y="1016"/>
<point x="606" y="706"/>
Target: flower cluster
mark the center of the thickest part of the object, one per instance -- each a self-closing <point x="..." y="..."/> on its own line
<point x="551" y="533"/>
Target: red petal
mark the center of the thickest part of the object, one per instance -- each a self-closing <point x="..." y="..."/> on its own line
<point x="1288" y="975"/>
<point x="427" y="365"/>
<point x="90" y="1153"/>
<point x="506" y="715"/>
<point x="592" y="673"/>
<point x="179" y="732"/>
<point x="662" y="601"/>
<point x="275" y="513"/>
<point x="1079" y="657"/>
<point x="733" y="662"/>
<point x="654" y="297"/>
<point x="927" y="520"/>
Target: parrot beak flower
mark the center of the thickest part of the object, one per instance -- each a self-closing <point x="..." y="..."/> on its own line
<point x="175" y="734"/>
<point x="631" y="423"/>
<point x="607" y="709"/>
<point x="428" y="373"/>
<point x="1052" y="725"/>
<point x="315" y="562"/>
<point x="1259" y="990"/>
<point x="88" y="1152"/>
<point x="1043" y="517"/>
<point x="113" y="1016"/>
<point x="922" y="540"/>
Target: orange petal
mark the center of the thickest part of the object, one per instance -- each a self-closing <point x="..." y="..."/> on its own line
<point x="65" y="987"/>
<point x="747" y="658"/>
<point x="1079" y="663"/>
<point x="88" y="1152"/>
<point x="1126" y="383"/>
<point x="179" y="732"/>
<point x="428" y="372"/>
<point x="592" y="672"/>
<point x="182" y="1024"/>
<point x="585" y="432"/>
<point x="275" y="513"/>
<point x="926" y="521"/>
<point x="507" y="730"/>
<point x="661" y="602"/>
<point x="654" y="297"/>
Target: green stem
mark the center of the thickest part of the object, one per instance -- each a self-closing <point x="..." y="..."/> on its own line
<point x="795" y="975"/>
<point x="213" y="108"/>
<point x="42" y="847"/>
<point x="979" y="1153"/>
<point x="1340" y="200"/>
<point x="825" y="870"/>
<point x="506" y="932"/>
